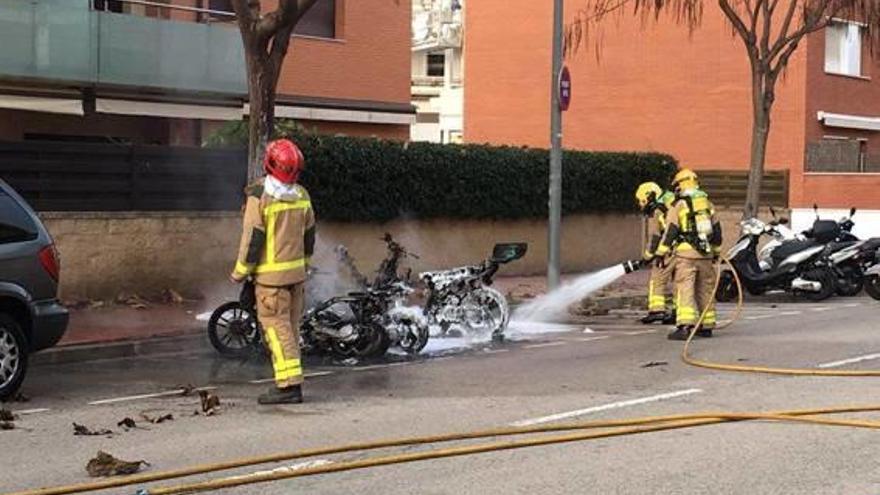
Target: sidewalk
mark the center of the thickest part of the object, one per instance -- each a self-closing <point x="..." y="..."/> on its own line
<point x="120" y="330"/>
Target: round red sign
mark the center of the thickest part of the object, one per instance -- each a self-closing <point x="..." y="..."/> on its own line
<point x="564" y="89"/>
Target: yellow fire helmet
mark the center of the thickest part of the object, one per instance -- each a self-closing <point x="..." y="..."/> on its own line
<point x="647" y="193"/>
<point x="685" y="180"/>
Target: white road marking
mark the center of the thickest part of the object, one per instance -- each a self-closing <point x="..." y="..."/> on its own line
<point x="591" y="339"/>
<point x="307" y="375"/>
<point x="789" y="313"/>
<point x="639" y="332"/>
<point x="843" y="362"/>
<point x="760" y="317"/>
<point x="129" y="398"/>
<point x="545" y="344"/>
<point x="283" y="469"/>
<point x="32" y="411"/>
<point x="820" y="308"/>
<point x="589" y="330"/>
<point x="606" y="407"/>
<point x="495" y="351"/>
<point x="851" y="305"/>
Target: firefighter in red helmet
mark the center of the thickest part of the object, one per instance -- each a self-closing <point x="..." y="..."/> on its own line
<point x="278" y="237"/>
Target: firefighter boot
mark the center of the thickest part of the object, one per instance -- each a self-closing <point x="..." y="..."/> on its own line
<point x="669" y="317"/>
<point x="287" y="395"/>
<point x="706" y="333"/>
<point x="654" y="317"/>
<point x="681" y="332"/>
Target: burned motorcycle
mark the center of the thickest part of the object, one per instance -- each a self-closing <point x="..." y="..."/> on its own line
<point x="461" y="300"/>
<point x="365" y="324"/>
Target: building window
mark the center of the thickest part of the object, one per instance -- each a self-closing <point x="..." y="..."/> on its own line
<point x="319" y="21"/>
<point x="436" y="64"/>
<point x="843" y="48"/>
<point x="108" y="6"/>
<point x="841" y="155"/>
<point x="220" y="5"/>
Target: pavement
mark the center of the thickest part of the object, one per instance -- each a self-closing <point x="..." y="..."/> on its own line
<point x="596" y="366"/>
<point x="108" y="329"/>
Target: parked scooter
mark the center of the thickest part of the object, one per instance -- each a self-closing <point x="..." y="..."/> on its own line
<point x="848" y="255"/>
<point x="797" y="266"/>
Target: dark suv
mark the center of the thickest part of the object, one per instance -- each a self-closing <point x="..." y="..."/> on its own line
<point x="31" y="317"/>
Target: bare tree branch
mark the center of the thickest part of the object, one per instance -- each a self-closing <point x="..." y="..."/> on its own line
<point x="747" y="36"/>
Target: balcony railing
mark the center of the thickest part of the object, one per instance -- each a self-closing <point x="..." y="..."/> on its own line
<point x="70" y="42"/>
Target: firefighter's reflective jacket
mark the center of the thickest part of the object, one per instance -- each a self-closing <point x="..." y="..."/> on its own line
<point x="692" y="230"/>
<point x="657" y="224"/>
<point x="278" y="236"/>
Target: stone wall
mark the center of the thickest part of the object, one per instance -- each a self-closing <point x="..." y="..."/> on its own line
<point x="105" y="254"/>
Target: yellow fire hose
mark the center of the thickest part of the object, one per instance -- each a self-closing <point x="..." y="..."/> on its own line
<point x="756" y="369"/>
<point x="606" y="429"/>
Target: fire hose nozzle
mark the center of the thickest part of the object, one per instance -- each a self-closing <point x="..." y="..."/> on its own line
<point x="631" y="265"/>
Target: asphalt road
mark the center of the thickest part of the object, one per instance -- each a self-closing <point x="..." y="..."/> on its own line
<point x="593" y="369"/>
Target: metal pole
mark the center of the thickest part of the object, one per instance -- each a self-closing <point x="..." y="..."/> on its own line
<point x="554" y="231"/>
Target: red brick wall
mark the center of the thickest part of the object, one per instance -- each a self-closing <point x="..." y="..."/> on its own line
<point x="846" y="95"/>
<point x="370" y="61"/>
<point x="653" y="87"/>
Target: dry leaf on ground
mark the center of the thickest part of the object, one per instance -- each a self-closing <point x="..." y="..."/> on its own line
<point x="105" y="464"/>
<point x="81" y="430"/>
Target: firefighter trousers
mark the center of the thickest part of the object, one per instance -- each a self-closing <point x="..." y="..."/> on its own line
<point x="280" y="310"/>
<point x="658" y="292"/>
<point x="694" y="281"/>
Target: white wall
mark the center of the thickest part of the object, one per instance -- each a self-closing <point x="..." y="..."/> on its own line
<point x="867" y="221"/>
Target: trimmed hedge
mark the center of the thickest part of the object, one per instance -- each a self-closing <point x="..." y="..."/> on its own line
<point x="355" y="179"/>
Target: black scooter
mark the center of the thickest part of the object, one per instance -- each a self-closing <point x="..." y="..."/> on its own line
<point x="796" y="266"/>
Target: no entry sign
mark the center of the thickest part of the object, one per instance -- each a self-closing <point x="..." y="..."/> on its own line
<point x="564" y="89"/>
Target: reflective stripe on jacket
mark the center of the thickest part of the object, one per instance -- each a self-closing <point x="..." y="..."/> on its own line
<point x="657" y="225"/>
<point x="277" y="238"/>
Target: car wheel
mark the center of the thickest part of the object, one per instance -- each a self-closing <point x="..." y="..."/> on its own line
<point x="13" y="356"/>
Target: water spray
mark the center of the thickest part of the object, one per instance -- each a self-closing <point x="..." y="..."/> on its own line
<point x="553" y="306"/>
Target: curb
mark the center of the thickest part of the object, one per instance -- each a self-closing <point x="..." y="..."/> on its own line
<point x="78" y="353"/>
<point x="602" y="305"/>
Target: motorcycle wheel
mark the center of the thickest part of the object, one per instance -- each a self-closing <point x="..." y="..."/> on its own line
<point x="850" y="280"/>
<point x="827" y="278"/>
<point x="493" y="312"/>
<point x="872" y="286"/>
<point x="233" y="330"/>
<point x="415" y="336"/>
<point x="372" y="341"/>
<point x="727" y="289"/>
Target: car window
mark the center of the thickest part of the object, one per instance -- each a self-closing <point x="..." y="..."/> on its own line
<point x="15" y="223"/>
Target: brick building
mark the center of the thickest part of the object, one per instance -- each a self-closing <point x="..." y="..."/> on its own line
<point x="142" y="72"/>
<point x="655" y="86"/>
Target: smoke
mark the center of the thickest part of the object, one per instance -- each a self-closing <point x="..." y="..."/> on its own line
<point x="332" y="275"/>
<point x="553" y="306"/>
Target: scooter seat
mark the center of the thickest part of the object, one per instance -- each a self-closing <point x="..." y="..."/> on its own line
<point x="788" y="248"/>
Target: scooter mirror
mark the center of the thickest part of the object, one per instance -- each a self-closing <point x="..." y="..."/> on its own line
<point x="783" y="221"/>
<point x="852" y="211"/>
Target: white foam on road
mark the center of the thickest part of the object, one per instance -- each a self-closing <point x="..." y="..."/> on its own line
<point x="853" y="360"/>
<point x="526" y="330"/>
<point x="605" y="407"/>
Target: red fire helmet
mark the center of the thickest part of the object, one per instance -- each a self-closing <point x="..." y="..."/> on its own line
<point x="284" y="160"/>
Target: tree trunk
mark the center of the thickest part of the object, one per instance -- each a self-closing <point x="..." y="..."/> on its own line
<point x="261" y="92"/>
<point x="762" y="104"/>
